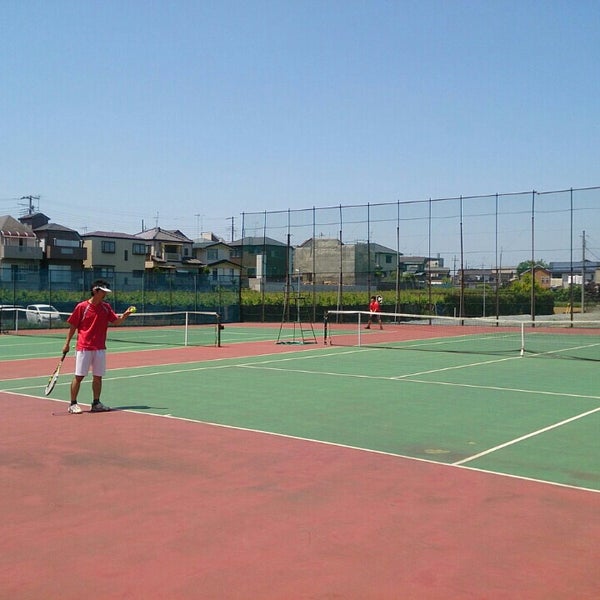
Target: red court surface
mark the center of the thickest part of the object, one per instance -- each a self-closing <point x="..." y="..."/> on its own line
<point x="131" y="506"/>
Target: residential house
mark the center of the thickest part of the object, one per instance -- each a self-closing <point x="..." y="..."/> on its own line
<point x="216" y="255"/>
<point x="423" y="269"/>
<point x="575" y="272"/>
<point x="20" y="253"/>
<point x="324" y="261"/>
<point x="117" y="257"/>
<point x="328" y="261"/>
<point x="492" y="277"/>
<point x="262" y="258"/>
<point x="63" y="252"/>
<point x="543" y="277"/>
<point x="385" y="261"/>
<point x="169" y="250"/>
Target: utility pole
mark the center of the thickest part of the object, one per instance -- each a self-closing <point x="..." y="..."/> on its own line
<point x="583" y="274"/>
<point x="30" y="206"/>
<point x="232" y="219"/>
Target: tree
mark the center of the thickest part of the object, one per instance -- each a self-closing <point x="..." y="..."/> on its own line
<point x="525" y="266"/>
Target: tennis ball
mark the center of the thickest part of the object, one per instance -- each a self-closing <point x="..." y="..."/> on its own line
<point x="132" y="309"/>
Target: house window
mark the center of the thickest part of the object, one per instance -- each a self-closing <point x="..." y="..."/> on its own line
<point x="126" y="255"/>
<point x="59" y="273"/>
<point x="138" y="249"/>
<point x="212" y="254"/>
<point x="66" y="243"/>
<point x="108" y="247"/>
<point x="104" y="273"/>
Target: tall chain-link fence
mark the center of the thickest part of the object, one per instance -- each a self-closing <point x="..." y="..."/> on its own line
<point x="422" y="244"/>
<point x="336" y="257"/>
<point x="149" y="291"/>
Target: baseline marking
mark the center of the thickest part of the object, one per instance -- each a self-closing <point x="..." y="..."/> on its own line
<point x="456" y="465"/>
<point x="349" y="447"/>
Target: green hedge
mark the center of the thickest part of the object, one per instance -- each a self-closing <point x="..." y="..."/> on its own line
<point x="256" y="306"/>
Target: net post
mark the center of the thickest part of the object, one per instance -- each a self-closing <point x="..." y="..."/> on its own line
<point x="218" y="316"/>
<point x="325" y="322"/>
<point x="522" y="352"/>
<point x="187" y="314"/>
<point x="359" y="327"/>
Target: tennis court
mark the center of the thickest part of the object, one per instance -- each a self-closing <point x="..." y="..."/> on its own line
<point x="257" y="469"/>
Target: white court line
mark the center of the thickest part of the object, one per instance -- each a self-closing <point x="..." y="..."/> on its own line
<point x="456" y="367"/>
<point x="309" y="372"/>
<point x="423" y="381"/>
<point x="360" y="350"/>
<point x="497" y="388"/>
<point x="130" y="376"/>
<point x="525" y="437"/>
<point x="260" y="365"/>
<point x="344" y="446"/>
<point x="167" y="371"/>
<point x="310" y="355"/>
<point x="458" y="465"/>
<point x="288" y="358"/>
<point x="115" y="356"/>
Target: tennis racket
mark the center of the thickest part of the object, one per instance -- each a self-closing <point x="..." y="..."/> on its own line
<point x="54" y="377"/>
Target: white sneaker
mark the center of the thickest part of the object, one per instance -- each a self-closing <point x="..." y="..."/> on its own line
<point x="75" y="409"/>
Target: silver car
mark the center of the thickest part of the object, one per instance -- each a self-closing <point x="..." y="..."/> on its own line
<point x="42" y="313"/>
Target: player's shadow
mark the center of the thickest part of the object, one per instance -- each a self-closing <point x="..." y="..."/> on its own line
<point x="138" y="407"/>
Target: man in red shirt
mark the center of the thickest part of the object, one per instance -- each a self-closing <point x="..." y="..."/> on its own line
<point x="374" y="309"/>
<point x="90" y="319"/>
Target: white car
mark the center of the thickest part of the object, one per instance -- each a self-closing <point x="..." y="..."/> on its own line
<point x="42" y="313"/>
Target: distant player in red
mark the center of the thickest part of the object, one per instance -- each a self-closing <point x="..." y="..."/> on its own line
<point x="374" y="309"/>
<point x="90" y="319"/>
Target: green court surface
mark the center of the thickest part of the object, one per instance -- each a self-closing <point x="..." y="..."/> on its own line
<point x="523" y="416"/>
<point x="45" y="344"/>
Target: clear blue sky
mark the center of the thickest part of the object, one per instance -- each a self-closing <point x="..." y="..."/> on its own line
<point x="186" y="113"/>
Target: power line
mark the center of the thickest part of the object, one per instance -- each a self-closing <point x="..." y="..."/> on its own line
<point x="29" y="207"/>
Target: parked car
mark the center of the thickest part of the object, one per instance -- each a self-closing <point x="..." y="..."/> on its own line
<point x="42" y="313"/>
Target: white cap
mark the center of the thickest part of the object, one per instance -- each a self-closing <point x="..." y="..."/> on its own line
<point x="102" y="288"/>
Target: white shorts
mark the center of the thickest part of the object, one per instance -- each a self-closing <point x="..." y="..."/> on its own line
<point x="94" y="359"/>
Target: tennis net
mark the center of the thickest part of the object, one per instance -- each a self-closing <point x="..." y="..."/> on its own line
<point x="170" y="328"/>
<point x="557" y="338"/>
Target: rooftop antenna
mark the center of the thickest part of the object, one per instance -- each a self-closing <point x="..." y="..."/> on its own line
<point x="199" y="225"/>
